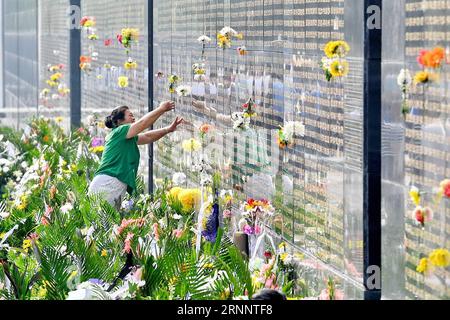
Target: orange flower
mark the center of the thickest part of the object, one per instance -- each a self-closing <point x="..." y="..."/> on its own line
<point x="85" y="59"/>
<point x="46" y="139"/>
<point x="431" y="58"/>
<point x="205" y="128"/>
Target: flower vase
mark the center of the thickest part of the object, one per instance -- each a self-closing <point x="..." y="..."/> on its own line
<point x="253" y="251"/>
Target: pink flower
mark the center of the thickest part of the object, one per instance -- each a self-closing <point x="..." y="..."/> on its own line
<point x="108" y="42"/>
<point x="227" y="214"/>
<point x="127" y="248"/>
<point x="257" y="230"/>
<point x="48" y="211"/>
<point x="119" y="38"/>
<point x="177" y="233"/>
<point x="156" y="231"/>
<point x="34" y="236"/>
<point x="44" y="221"/>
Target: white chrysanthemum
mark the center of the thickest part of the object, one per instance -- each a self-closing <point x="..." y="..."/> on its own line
<point x="183" y="91"/>
<point x="404" y="78"/>
<point x="293" y="127"/>
<point x="179" y="178"/>
<point x="4" y="215"/>
<point x="204" y="39"/>
<point x="326" y="63"/>
<point x="199" y="77"/>
<point x="240" y="120"/>
<point x="66" y="208"/>
<point x="228" y="31"/>
<point x="177" y="216"/>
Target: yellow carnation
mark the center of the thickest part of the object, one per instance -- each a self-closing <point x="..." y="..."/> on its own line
<point x="56" y="76"/>
<point x="440" y="258"/>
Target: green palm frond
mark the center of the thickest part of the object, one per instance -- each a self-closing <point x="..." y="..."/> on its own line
<point x="55" y="273"/>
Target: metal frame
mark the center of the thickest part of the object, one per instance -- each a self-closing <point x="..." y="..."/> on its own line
<point x="75" y="73"/>
<point x="372" y="151"/>
<point x="150" y="88"/>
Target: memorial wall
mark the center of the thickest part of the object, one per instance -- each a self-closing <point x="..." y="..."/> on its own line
<point x="241" y="96"/>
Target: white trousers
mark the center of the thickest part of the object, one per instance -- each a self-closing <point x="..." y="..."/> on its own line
<point x="110" y="188"/>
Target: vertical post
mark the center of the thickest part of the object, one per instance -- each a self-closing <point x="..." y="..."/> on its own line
<point x="2" y="57"/>
<point x="75" y="72"/>
<point x="372" y="149"/>
<point x="150" y="88"/>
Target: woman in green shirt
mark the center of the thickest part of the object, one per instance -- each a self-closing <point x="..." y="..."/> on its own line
<point x="120" y="161"/>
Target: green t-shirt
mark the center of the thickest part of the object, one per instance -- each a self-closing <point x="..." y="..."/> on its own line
<point x="121" y="157"/>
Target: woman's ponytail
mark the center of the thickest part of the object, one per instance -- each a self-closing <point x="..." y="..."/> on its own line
<point x="112" y="121"/>
<point x="109" y="123"/>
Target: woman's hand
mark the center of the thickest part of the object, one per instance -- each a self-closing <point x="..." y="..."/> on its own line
<point x="167" y="106"/>
<point x="175" y="124"/>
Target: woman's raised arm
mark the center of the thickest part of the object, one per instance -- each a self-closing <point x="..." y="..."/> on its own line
<point x="147" y="121"/>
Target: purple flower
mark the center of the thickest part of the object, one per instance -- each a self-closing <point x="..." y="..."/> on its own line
<point x="212" y="225"/>
<point x="96" y="281"/>
<point x="97" y="142"/>
<point x="248" y="229"/>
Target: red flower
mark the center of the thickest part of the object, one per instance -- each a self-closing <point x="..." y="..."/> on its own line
<point x="245" y="106"/>
<point x="108" y="42"/>
<point x="84" y="20"/>
<point x="268" y="254"/>
<point x="119" y="38"/>
<point x="445" y="188"/>
<point x="421" y="57"/>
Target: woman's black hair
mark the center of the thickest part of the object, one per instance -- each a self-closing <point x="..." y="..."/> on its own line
<point x="112" y="121"/>
<point x="267" y="294"/>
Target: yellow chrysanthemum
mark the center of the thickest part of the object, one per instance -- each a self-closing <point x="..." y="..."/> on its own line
<point x="335" y="49"/>
<point x="56" y="76"/>
<point x="283" y="256"/>
<point x="440" y="258"/>
<point x="45" y="92"/>
<point x="23" y="203"/>
<point x="131" y="33"/>
<point x="59" y="119"/>
<point x="423" y="265"/>
<point x="26" y="244"/>
<point x="339" y="68"/>
<point x="174" y="192"/>
<point x="130" y="65"/>
<point x="104" y="253"/>
<point x="191" y="145"/>
<point x="423" y="77"/>
<point x="52" y="83"/>
<point x="189" y="198"/>
<point x="98" y="149"/>
<point x="123" y="81"/>
<point x="415" y="195"/>
<point x="223" y="41"/>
